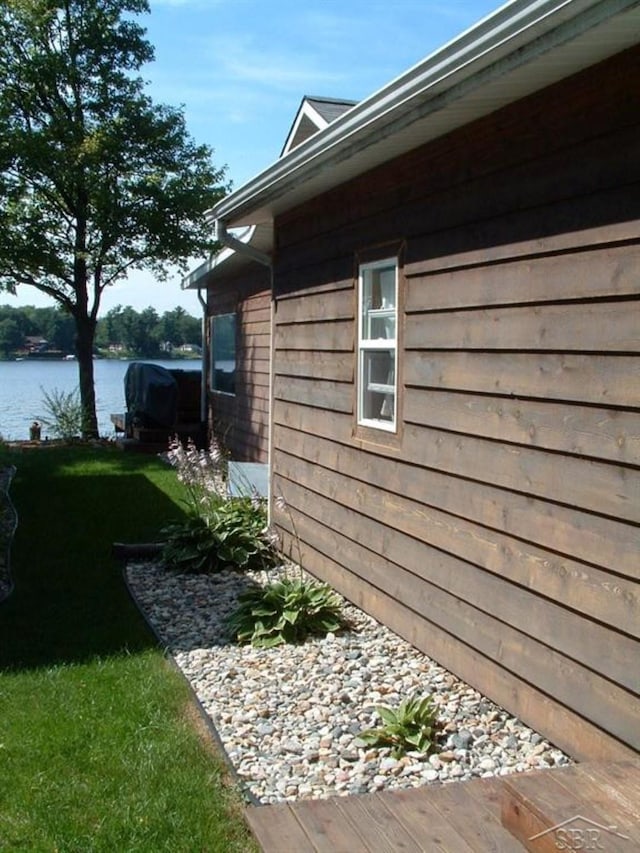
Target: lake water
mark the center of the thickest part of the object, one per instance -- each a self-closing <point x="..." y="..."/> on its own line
<point x="22" y="384"/>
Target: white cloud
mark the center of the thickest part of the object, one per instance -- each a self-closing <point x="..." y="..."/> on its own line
<point x="245" y="59"/>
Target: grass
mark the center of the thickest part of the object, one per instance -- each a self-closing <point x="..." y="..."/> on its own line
<point x="98" y="746"/>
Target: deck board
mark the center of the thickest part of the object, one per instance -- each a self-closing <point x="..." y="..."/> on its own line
<point x="377" y="824"/>
<point x="461" y="817"/>
<point x="326" y="827"/>
<point x="473" y="808"/>
<point x="542" y="809"/>
<point x="419" y="815"/>
<point x="620" y="782"/>
<point x="276" y="828"/>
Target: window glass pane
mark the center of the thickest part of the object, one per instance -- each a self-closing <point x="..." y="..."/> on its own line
<point x="386" y="278"/>
<point x="223" y="353"/>
<point x="379" y="303"/>
<point x="377" y="383"/>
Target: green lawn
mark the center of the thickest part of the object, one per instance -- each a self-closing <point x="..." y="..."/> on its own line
<point x="98" y="746"/>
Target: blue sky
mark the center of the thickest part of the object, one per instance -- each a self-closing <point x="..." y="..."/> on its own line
<point x="241" y="67"/>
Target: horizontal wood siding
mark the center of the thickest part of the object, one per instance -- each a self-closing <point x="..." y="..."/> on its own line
<point x="242" y="421"/>
<point x="499" y="531"/>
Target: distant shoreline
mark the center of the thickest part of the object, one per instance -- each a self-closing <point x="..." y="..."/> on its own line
<point x="56" y="355"/>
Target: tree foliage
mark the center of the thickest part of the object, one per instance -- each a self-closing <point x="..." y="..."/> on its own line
<point x="11" y="337"/>
<point x="95" y="179"/>
<point x="142" y="334"/>
<point x="53" y="324"/>
<point x="146" y="333"/>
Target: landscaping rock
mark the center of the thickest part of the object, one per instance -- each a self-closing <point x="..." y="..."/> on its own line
<point x="319" y="695"/>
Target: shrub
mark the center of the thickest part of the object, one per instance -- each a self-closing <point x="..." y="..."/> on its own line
<point x="242" y="535"/>
<point x="189" y="546"/>
<point x="411" y="727"/>
<point x="286" y="611"/>
<point x="220" y="531"/>
<point x="64" y="413"/>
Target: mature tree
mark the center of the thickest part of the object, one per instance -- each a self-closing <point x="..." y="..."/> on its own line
<point x="135" y="331"/>
<point x="11" y="336"/>
<point x="179" y="328"/>
<point x="95" y="179"/>
<point x="138" y="331"/>
<point x="142" y="333"/>
<point x="57" y="327"/>
<point x="21" y="317"/>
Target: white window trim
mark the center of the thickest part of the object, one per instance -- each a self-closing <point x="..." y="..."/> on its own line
<point x="373" y="345"/>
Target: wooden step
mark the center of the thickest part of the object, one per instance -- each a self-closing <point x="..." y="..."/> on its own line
<point x="583" y="807"/>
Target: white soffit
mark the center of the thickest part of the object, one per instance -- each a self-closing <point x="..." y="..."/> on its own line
<point x="518" y="50"/>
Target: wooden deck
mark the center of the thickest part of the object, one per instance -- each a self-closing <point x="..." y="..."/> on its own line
<point x="592" y="806"/>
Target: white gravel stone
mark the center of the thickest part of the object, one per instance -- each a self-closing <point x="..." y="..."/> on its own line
<point x="289" y="717"/>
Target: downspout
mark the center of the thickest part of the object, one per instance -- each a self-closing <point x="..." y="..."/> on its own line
<point x="226" y="239"/>
<point x="221" y="234"/>
<point x="204" y="426"/>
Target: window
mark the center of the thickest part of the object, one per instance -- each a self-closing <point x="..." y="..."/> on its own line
<point x="223" y="353"/>
<point x="377" y="347"/>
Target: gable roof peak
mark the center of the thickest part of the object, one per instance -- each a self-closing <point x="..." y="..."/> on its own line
<point x="314" y="114"/>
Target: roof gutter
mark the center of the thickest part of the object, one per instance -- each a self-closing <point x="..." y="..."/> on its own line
<point x="505" y="41"/>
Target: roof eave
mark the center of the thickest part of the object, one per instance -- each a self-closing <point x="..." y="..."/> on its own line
<point x="495" y="62"/>
<point x="250" y="246"/>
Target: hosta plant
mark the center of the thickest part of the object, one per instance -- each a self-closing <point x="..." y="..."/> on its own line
<point x="410" y="727"/>
<point x="220" y="531"/>
<point x="201" y="472"/>
<point x="233" y="535"/>
<point x="286" y="611"/>
<point x="189" y="546"/>
<point x="242" y="536"/>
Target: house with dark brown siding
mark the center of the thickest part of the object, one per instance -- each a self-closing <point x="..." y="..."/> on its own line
<point x="238" y="344"/>
<point x="440" y="337"/>
<point x="237" y="284"/>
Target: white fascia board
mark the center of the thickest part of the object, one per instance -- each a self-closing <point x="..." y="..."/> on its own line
<point x="524" y="42"/>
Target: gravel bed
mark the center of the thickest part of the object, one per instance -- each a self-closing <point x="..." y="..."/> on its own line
<point x="289" y="717"/>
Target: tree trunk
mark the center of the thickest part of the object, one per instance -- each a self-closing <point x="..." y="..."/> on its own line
<point x="85" y="334"/>
<point x="85" y="320"/>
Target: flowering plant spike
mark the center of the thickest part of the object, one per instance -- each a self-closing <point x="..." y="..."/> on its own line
<point x="220" y="531"/>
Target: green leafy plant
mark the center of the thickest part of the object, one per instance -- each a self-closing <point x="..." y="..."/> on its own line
<point x="189" y="546"/>
<point x="286" y="611"/>
<point x="234" y="535"/>
<point x="242" y="536"/>
<point x="412" y="726"/>
<point x="220" y="531"/>
<point x="64" y="416"/>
